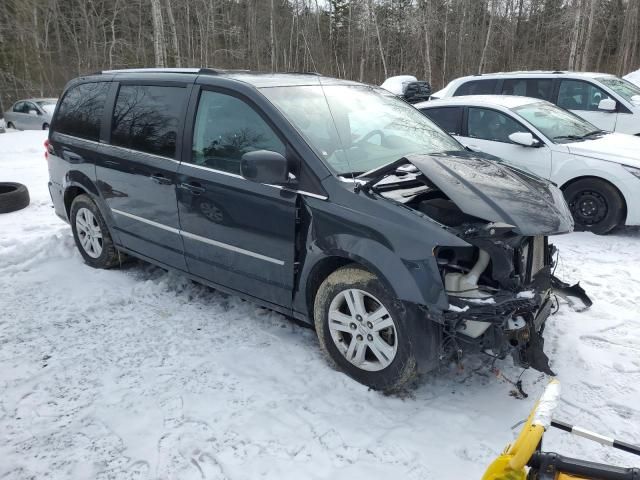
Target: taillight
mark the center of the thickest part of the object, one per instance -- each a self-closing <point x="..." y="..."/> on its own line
<point x="47" y="149"/>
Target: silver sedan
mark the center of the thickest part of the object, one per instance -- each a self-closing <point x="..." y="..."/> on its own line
<point x="31" y="114"/>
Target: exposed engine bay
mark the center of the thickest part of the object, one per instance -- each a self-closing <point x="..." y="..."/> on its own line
<point x="501" y="287"/>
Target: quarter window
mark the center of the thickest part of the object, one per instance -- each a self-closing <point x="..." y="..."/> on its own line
<point x="147" y="118"/>
<point x="477" y="87"/>
<point x="226" y="128"/>
<point x="491" y="125"/>
<point x="447" y="118"/>
<point x="580" y="95"/>
<point x="81" y="110"/>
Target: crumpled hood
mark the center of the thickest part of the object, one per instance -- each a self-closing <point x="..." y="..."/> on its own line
<point x="614" y="147"/>
<point x="495" y="192"/>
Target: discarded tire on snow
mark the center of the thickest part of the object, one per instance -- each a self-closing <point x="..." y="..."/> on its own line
<point x="13" y="196"/>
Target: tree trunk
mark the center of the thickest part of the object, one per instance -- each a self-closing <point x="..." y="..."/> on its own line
<point x="158" y="33"/>
<point x="174" y="36"/>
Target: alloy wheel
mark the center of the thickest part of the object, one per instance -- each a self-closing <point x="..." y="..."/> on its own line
<point x="89" y="232"/>
<point x="362" y="329"/>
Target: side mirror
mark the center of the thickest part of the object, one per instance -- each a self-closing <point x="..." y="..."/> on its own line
<point x="524" y="138"/>
<point x="608" y="105"/>
<point x="635" y="100"/>
<point x="264" y="166"/>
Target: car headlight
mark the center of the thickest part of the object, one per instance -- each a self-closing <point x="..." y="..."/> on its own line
<point x="632" y="170"/>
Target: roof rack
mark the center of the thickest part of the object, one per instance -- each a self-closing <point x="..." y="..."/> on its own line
<point x="209" y="71"/>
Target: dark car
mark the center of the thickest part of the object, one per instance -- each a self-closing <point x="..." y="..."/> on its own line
<point x="329" y="201"/>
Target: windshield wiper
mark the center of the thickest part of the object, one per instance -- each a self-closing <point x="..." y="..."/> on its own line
<point x="567" y="137"/>
<point x="578" y="137"/>
<point x="591" y="134"/>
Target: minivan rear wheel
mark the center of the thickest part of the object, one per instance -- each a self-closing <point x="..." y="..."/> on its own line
<point x="91" y="234"/>
<point x="595" y="204"/>
<point x="364" y="330"/>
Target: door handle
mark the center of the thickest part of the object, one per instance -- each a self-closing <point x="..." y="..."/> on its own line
<point x="194" y="187"/>
<point x="161" y="179"/>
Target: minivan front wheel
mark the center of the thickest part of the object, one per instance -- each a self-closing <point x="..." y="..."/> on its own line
<point x="363" y="330"/>
<point x="91" y="234"/>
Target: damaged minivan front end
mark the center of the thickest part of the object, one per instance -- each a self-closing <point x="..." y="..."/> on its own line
<point x="500" y="287"/>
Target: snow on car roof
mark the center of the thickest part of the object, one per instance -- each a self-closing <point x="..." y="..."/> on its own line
<point x="507" y="101"/>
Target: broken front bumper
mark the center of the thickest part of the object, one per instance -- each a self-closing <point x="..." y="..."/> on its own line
<point x="512" y="322"/>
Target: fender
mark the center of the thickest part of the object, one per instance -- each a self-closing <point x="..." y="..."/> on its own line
<point x="78" y="179"/>
<point x="416" y="282"/>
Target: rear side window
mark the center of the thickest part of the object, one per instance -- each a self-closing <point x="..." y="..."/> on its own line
<point x="541" y="88"/>
<point x="148" y="118"/>
<point x="477" y="87"/>
<point x="19" y="107"/>
<point x="80" y="112"/>
<point x="447" y="118"/>
<point x="226" y="128"/>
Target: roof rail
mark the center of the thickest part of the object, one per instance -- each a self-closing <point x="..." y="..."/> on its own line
<point x="209" y="71"/>
<point x="304" y="73"/>
<point x="558" y="71"/>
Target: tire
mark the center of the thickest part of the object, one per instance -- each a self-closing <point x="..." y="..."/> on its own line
<point x="13" y="196"/>
<point x="595" y="204"/>
<point x="45" y="126"/>
<point x="91" y="234"/>
<point x="400" y="365"/>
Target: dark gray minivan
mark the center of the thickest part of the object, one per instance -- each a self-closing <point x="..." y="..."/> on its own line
<point x="326" y="200"/>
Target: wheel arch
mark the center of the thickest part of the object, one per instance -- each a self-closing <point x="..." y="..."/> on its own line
<point x="601" y="179"/>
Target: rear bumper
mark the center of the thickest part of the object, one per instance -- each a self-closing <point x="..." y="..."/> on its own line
<point x="57" y="197"/>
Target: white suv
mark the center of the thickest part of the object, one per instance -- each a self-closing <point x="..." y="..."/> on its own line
<point x="608" y="102"/>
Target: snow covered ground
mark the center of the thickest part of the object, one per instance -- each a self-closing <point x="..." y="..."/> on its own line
<point x="138" y="373"/>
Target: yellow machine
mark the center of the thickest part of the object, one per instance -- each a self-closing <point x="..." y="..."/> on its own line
<point x="524" y="460"/>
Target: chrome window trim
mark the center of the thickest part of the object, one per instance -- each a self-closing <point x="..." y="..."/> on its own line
<point x="235" y="175"/>
<point x="117" y="147"/>
<point x="193" y="236"/>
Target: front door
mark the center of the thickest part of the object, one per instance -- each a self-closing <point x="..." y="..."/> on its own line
<point x="236" y="233"/>
<point x="583" y="99"/>
<point x="488" y="131"/>
<point x="137" y="173"/>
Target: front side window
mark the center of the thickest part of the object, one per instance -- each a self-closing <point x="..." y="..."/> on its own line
<point x="147" y="118"/>
<point x="226" y="128"/>
<point x="580" y="95"/>
<point x="447" y="118"/>
<point x="625" y="89"/>
<point x="356" y="128"/>
<point x="559" y="125"/>
<point x="477" y="87"/>
<point x="30" y="107"/>
<point x="486" y="124"/>
<point x="80" y="113"/>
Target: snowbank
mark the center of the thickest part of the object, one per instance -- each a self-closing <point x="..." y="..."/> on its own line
<point x="140" y="373"/>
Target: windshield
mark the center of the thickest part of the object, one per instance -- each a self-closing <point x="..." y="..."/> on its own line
<point x="47" y="105"/>
<point x="557" y="124"/>
<point x="358" y="128"/>
<point x="625" y="89"/>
